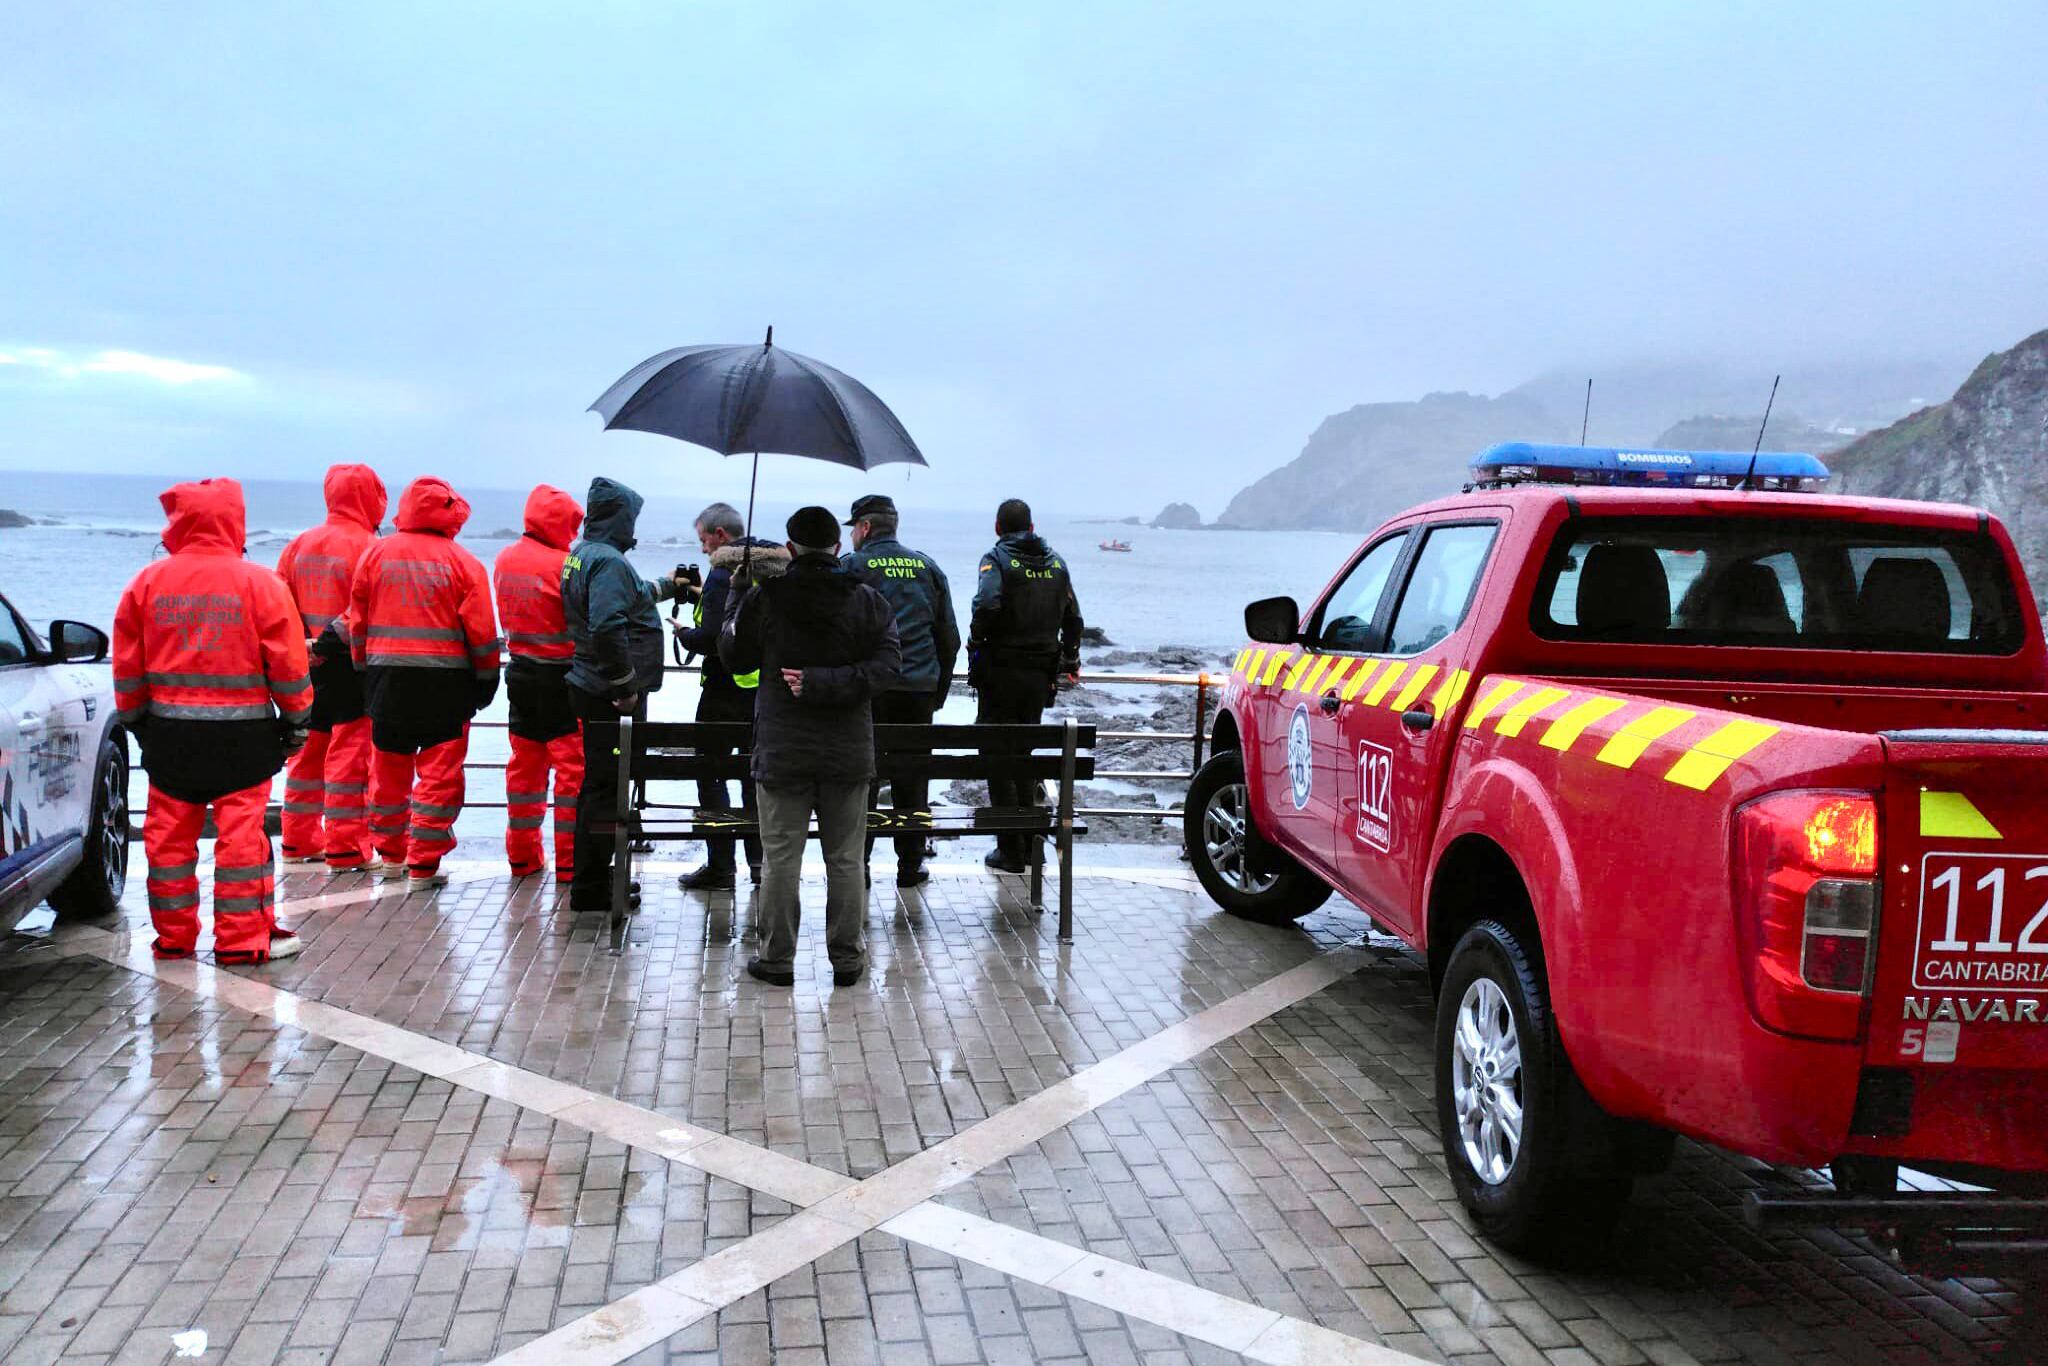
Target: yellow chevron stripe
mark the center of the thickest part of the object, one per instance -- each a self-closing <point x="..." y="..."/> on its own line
<point x="1566" y="729"/>
<point x="1308" y="685"/>
<point x="1499" y="693"/>
<point x="1366" y="667"/>
<point x="1709" y="759"/>
<point x="1451" y="691"/>
<point x="1517" y="716"/>
<point x="1341" y="666"/>
<point x="1953" y="816"/>
<point x="1294" y="674"/>
<point x="1388" y="678"/>
<point x="1273" y="669"/>
<point x="1251" y="668"/>
<point x="1238" y="663"/>
<point x="1411" y="690"/>
<point x="1628" y="743"/>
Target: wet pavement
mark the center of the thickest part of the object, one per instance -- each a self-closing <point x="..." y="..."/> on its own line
<point x="458" y="1128"/>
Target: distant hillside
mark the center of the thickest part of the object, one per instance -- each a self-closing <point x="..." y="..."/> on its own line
<point x="1632" y="403"/>
<point x="1378" y="458"/>
<point x="1363" y="465"/>
<point x="1988" y="446"/>
<point x="1787" y="432"/>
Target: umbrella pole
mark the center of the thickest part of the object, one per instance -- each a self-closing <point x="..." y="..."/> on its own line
<point x="747" y="553"/>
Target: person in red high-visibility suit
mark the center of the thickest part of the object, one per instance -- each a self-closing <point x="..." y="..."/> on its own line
<point x="327" y="786"/>
<point x="545" y="732"/>
<point x="422" y="630"/>
<point x="210" y="677"/>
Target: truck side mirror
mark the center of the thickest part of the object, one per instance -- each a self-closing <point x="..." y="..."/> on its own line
<point x="74" y="642"/>
<point x="1273" y="621"/>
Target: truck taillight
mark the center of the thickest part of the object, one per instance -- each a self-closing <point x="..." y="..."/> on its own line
<point x="1807" y="897"/>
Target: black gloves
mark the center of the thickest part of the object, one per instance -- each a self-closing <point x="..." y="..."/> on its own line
<point x="484" y="691"/>
<point x="292" y="737"/>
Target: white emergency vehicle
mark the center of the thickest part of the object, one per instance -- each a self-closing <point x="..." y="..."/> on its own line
<point x="63" y="772"/>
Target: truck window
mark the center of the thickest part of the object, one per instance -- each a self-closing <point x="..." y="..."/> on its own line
<point x="1352" y="611"/>
<point x="1810" y="583"/>
<point x="1440" y="586"/>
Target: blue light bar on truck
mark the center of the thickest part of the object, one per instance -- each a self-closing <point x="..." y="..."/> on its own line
<point x="1528" y="462"/>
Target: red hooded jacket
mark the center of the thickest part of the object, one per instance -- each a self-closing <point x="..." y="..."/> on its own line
<point x="319" y="565"/>
<point x="419" y="600"/>
<point x="207" y="637"/>
<point x="528" y="576"/>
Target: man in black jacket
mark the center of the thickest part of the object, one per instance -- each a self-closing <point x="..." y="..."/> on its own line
<point x="724" y="695"/>
<point x="1024" y="638"/>
<point x="917" y="592"/>
<point x="824" y="643"/>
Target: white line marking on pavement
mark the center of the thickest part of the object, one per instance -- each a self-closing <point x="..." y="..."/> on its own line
<point x="759" y="1169"/>
<point x="846" y="1214"/>
<point x="835" y="1209"/>
<point x="1189" y="1310"/>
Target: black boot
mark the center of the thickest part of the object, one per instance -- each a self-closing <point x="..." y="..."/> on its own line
<point x="1003" y="862"/>
<point x="709" y="878"/>
<point x="769" y="975"/>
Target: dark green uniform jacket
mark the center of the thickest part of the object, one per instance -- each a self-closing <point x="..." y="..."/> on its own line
<point x="1025" y="612"/>
<point x="917" y="592"/>
<point x="610" y="609"/>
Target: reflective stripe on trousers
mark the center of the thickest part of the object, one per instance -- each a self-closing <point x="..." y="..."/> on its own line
<point x="348" y="785"/>
<point x="428" y="786"/>
<point x="305" y="785"/>
<point x="244" y="878"/>
<point x="526" y="794"/>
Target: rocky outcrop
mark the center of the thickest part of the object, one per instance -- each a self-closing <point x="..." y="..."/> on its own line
<point x="1178" y="517"/>
<point x="1362" y="466"/>
<point x="1987" y="446"/>
<point x="10" y="519"/>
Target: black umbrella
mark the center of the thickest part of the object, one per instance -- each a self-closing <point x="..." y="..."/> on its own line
<point x="754" y="399"/>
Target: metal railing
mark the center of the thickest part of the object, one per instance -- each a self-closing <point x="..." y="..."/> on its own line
<point x="1205" y="684"/>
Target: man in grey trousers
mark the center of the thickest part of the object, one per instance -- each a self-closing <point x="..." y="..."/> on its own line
<point x="824" y="643"/>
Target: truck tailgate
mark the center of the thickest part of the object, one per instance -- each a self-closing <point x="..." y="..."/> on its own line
<point x="1957" y="1048"/>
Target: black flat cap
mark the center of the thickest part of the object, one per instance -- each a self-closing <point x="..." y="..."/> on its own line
<point x="873" y="503"/>
<point x="813" y="526"/>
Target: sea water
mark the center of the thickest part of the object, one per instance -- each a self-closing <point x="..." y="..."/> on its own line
<point x="1172" y="588"/>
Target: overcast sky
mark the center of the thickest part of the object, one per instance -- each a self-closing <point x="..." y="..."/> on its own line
<point x="1101" y="258"/>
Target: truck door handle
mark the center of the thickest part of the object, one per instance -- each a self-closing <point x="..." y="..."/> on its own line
<point x="1418" y="719"/>
<point x="1329" y="704"/>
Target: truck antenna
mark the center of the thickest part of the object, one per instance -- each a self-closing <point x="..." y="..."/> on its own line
<point x="1751" y="473"/>
<point x="1587" y="415"/>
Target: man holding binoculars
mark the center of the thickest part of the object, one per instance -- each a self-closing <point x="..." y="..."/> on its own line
<point x="724" y="696"/>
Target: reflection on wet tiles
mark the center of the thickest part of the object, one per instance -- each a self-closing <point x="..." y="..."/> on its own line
<point x="165" y="1161"/>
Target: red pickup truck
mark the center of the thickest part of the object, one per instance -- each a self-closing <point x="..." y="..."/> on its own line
<point x="1718" y="807"/>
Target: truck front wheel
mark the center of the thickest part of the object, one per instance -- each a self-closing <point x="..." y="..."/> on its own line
<point x="1240" y="871"/>
<point x="1509" y="1108"/>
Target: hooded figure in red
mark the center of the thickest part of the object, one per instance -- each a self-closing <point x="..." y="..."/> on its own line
<point x="328" y="782"/>
<point x="545" y="733"/>
<point x="421" y="627"/>
<point x="210" y="677"/>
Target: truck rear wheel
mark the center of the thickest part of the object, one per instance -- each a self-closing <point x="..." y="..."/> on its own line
<point x="1510" y="1110"/>
<point x="1240" y="871"/>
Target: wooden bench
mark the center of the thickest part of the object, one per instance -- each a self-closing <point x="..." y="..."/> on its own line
<point x="661" y="752"/>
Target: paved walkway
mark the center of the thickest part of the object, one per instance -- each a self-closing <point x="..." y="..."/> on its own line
<point x="457" y="1129"/>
